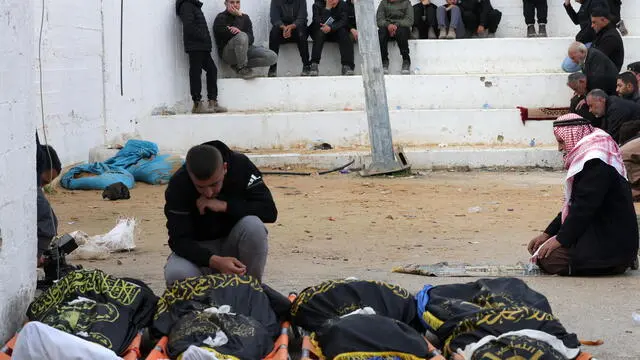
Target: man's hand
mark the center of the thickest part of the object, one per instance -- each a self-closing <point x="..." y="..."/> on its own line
<point x="234" y="30"/>
<point x="354" y="33"/>
<point x="480" y="29"/>
<point x="214" y="205"/>
<point x="325" y="28"/>
<point x="549" y="247"/>
<point x="391" y="28"/>
<point x="536" y="242"/>
<point x="567" y="2"/>
<point x="227" y="265"/>
<point x="286" y="32"/>
<point x="581" y="104"/>
<point x="41" y="261"/>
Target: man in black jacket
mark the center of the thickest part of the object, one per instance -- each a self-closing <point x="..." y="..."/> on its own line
<point x="582" y="18"/>
<point x="614" y="111"/>
<point x="197" y="44"/>
<point x="479" y="17"/>
<point x="330" y="23"/>
<point x="601" y="72"/>
<point x="289" y="21"/>
<point x="234" y="37"/>
<point x="578" y="104"/>
<point x="216" y="207"/>
<point x="608" y="39"/>
<point x="351" y="23"/>
<point x="424" y="19"/>
<point x="627" y="87"/>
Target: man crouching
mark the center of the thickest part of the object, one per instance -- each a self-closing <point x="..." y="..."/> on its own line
<point x="216" y="207"/>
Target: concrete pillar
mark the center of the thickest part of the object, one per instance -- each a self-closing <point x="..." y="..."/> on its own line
<point x="17" y="163"/>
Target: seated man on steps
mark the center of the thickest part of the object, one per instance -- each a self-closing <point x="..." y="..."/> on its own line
<point x="289" y="21"/>
<point x="395" y="19"/>
<point x="627" y="87"/>
<point x="234" y="36"/>
<point x="424" y="19"/>
<point x="582" y="18"/>
<point x="614" y="111"/>
<point x="216" y="207"/>
<point x="480" y="18"/>
<point x="608" y="39"/>
<point x="450" y="21"/>
<point x="330" y="23"/>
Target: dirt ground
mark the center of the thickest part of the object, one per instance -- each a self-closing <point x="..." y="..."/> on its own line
<point x="342" y="225"/>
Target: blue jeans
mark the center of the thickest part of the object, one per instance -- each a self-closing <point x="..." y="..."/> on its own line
<point x="569" y="66"/>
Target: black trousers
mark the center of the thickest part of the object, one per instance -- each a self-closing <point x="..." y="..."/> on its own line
<point x="530" y="7"/>
<point x="472" y="20"/>
<point x="198" y="61"/>
<point x="298" y="36"/>
<point x="402" y="38"/>
<point x="341" y="36"/>
<point x="424" y="18"/>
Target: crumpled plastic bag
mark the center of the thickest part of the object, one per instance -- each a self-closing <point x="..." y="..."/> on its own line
<point x="99" y="247"/>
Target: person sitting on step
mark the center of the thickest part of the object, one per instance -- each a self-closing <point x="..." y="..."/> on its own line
<point x="601" y="72"/>
<point x="582" y="18"/>
<point x="395" y="19"/>
<point x="424" y="20"/>
<point x="479" y="17"/>
<point x="627" y="87"/>
<point x="530" y="9"/>
<point x="450" y="22"/>
<point x="330" y="23"/>
<point x="578" y="104"/>
<point x="233" y="32"/>
<point x="608" y="39"/>
<point x="289" y="24"/>
<point x="596" y="233"/>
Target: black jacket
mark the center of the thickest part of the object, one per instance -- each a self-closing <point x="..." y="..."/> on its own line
<point x="351" y="15"/>
<point x="479" y="7"/>
<point x="244" y="191"/>
<point x="583" y="18"/>
<point x="601" y="231"/>
<point x="221" y="26"/>
<point x="286" y="12"/>
<point x="609" y="41"/>
<point x="583" y="111"/>
<point x="601" y="72"/>
<point x="338" y="13"/>
<point x="195" y="31"/>
<point x="619" y="111"/>
<point x="635" y="97"/>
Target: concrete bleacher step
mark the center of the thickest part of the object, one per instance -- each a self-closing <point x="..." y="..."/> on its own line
<point x="327" y="93"/>
<point x="346" y="129"/>
<point x="462" y="56"/>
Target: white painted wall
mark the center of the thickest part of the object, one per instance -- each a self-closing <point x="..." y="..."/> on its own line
<point x="17" y="165"/>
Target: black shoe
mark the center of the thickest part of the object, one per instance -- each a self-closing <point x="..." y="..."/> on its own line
<point x="542" y="30"/>
<point x="273" y="71"/>
<point x="385" y="66"/>
<point x="531" y="31"/>
<point x="313" y="70"/>
<point x="246" y="73"/>
<point x="406" y="67"/>
<point x="306" y="70"/>
<point x="346" y="70"/>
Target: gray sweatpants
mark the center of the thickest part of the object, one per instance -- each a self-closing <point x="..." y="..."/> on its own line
<point x="239" y="53"/>
<point x="247" y="242"/>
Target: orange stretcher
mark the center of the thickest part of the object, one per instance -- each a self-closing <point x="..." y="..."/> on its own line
<point x="132" y="352"/>
<point x="280" y="348"/>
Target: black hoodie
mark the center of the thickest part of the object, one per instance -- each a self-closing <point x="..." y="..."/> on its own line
<point x="244" y="191"/>
<point x="194" y="26"/>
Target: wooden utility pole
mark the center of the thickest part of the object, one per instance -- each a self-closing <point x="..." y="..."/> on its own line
<point x="377" y="109"/>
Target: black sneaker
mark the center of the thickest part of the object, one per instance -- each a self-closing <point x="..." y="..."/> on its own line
<point x="385" y="66"/>
<point x="313" y="70"/>
<point x="273" y="71"/>
<point x="531" y="31"/>
<point x="246" y="73"/>
<point x="306" y="70"/>
<point x="406" y="67"/>
<point x="542" y="30"/>
<point x="346" y="70"/>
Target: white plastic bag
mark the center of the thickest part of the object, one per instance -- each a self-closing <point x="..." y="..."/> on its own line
<point x="88" y="250"/>
<point x="120" y="238"/>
